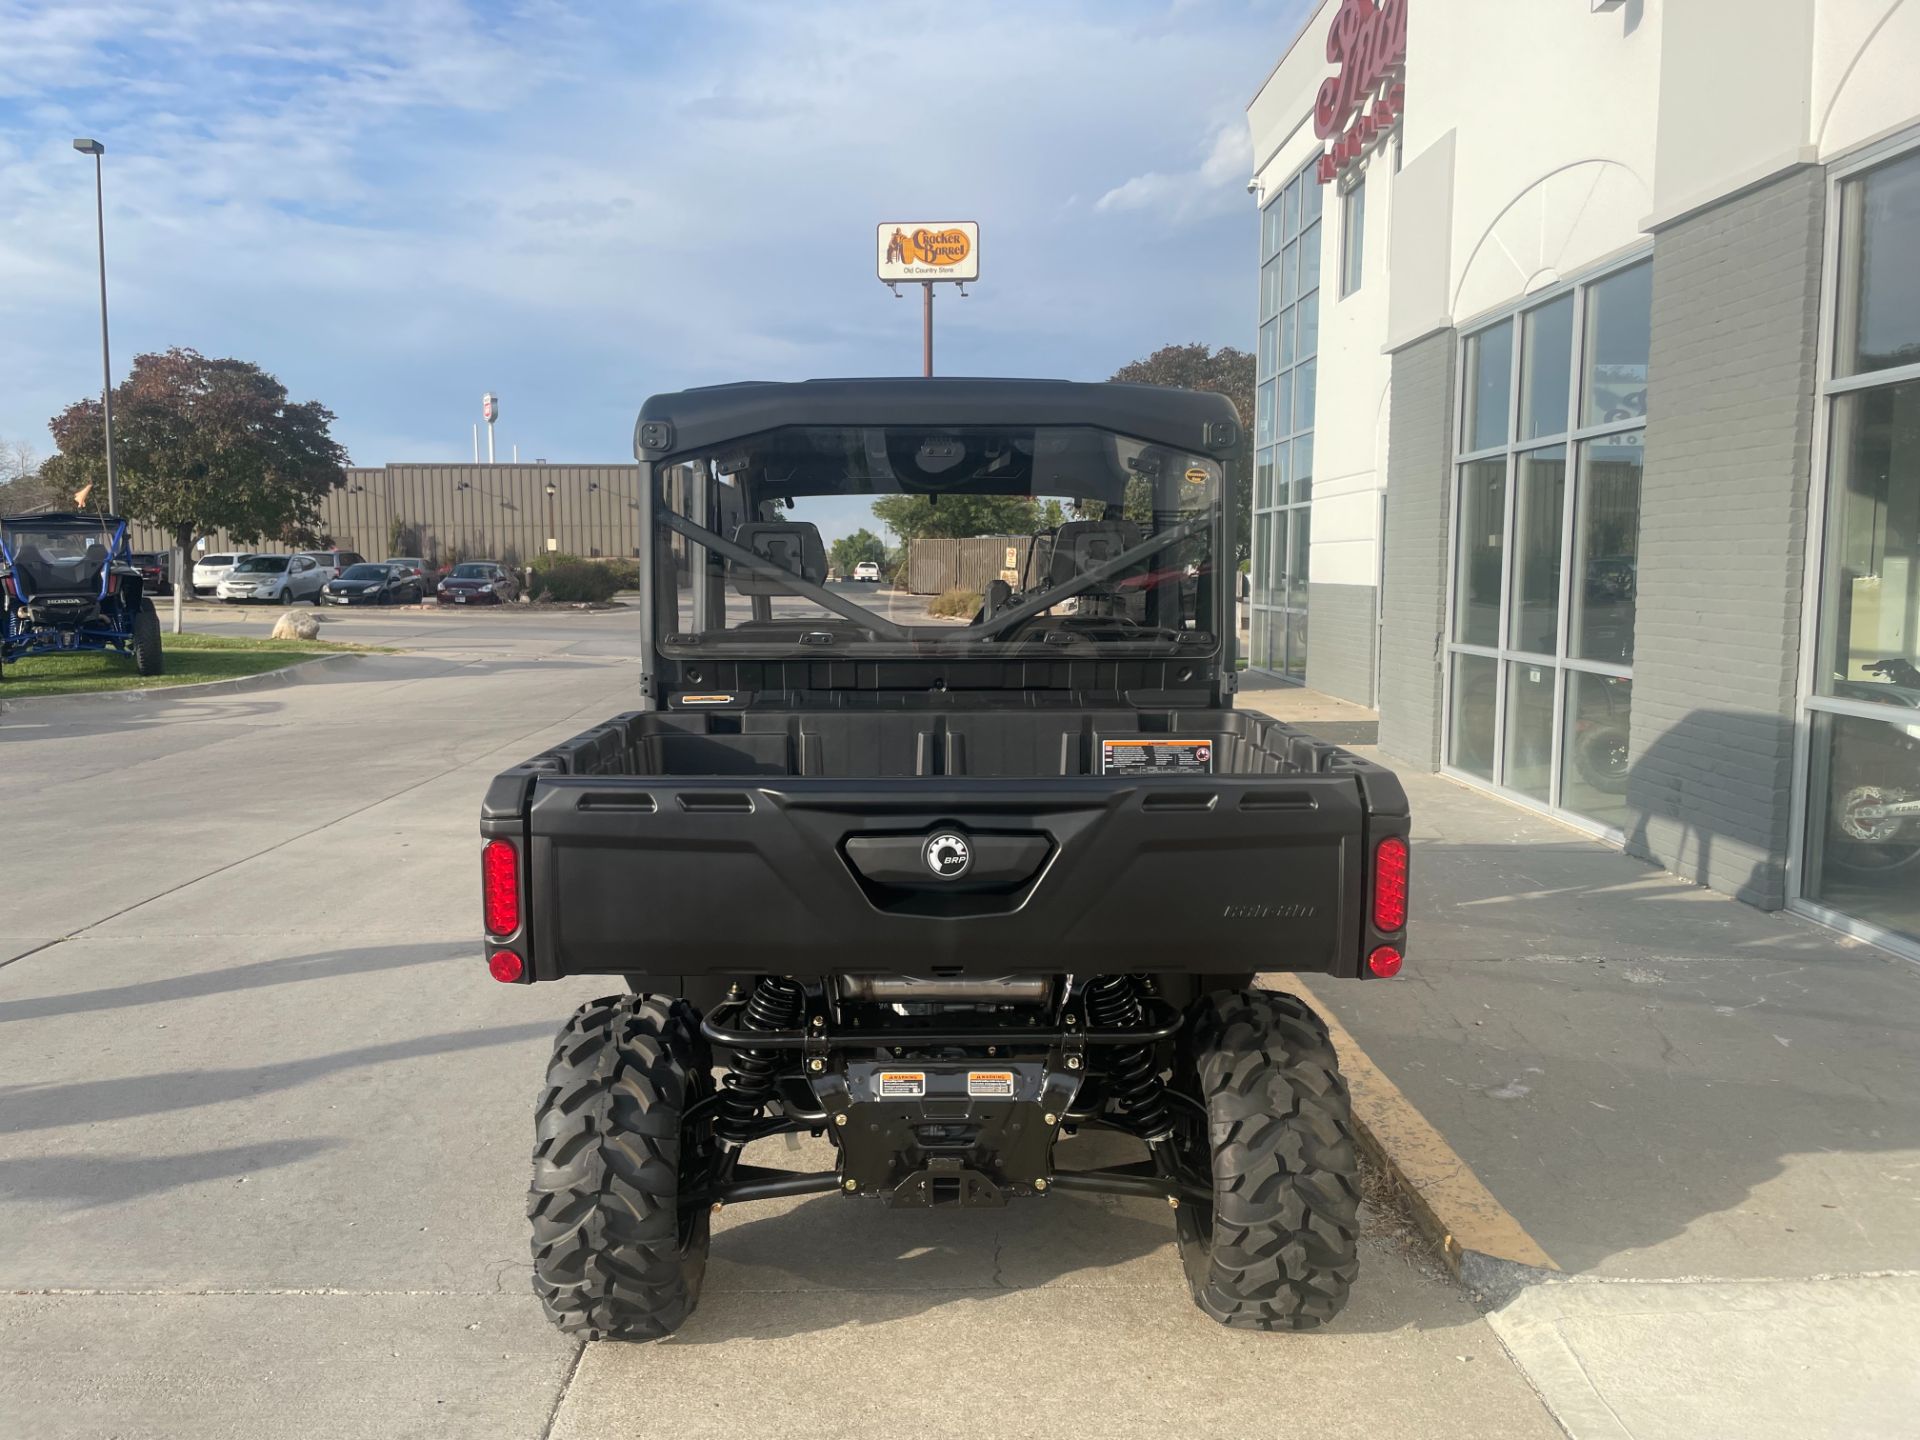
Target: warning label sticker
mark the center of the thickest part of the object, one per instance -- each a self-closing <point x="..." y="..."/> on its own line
<point x="990" y="1084"/>
<point x="1156" y="757"/>
<point x="900" y="1084"/>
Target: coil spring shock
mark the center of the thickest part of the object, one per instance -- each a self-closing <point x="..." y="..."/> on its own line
<point x="1113" y="1003"/>
<point x="777" y="1003"/>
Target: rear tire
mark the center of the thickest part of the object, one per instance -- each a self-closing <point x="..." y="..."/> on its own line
<point x="148" y="657"/>
<point x="616" y="1253"/>
<point x="1279" y="1247"/>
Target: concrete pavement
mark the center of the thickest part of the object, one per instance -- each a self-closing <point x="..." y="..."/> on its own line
<point x="264" y="1128"/>
<point x="1708" y="1116"/>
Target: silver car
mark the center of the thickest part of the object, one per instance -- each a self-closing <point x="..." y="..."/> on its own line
<point x="277" y="579"/>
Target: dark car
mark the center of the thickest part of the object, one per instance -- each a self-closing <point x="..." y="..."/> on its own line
<point x="369" y="584"/>
<point x="155" y="570"/>
<point x="478" y="582"/>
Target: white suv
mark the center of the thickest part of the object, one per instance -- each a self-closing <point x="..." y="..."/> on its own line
<point x="280" y="579"/>
<point x="210" y="570"/>
<point x="867" y="571"/>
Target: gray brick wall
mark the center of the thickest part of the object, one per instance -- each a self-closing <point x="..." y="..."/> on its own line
<point x="1736" y="295"/>
<point x="1340" y="632"/>
<point x="1413" y="601"/>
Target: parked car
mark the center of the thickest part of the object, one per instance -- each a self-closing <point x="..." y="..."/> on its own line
<point x="156" y="570"/>
<point x="413" y="565"/>
<point x="478" y="582"/>
<point x="374" y="584"/>
<point x="279" y="579"/>
<point x="333" y="562"/>
<point x="210" y="570"/>
<point x="867" y="571"/>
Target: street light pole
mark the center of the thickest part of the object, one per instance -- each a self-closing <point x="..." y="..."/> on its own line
<point x="96" y="150"/>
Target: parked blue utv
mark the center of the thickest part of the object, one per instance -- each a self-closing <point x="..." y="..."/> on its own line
<point x="68" y="585"/>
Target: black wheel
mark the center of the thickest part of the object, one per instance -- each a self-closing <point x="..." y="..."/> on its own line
<point x="1278" y="1249"/>
<point x="617" y="1249"/>
<point x="148" y="658"/>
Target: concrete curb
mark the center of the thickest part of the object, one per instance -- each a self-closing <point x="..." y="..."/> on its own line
<point x="1483" y="1244"/>
<point x="297" y="673"/>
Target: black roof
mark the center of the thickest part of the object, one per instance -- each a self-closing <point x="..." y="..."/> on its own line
<point x="63" y="520"/>
<point x="1191" y="420"/>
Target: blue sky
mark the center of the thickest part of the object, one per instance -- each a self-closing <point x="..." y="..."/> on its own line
<point x="397" y="206"/>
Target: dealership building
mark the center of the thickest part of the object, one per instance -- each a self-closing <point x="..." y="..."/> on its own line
<point x="1587" y="434"/>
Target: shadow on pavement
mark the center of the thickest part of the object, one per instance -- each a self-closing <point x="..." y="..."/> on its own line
<point x="83" y="1182"/>
<point x="285" y="970"/>
<point x="91" y="1102"/>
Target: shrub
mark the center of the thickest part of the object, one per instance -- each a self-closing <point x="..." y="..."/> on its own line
<point x="959" y="603"/>
<point x="569" y="580"/>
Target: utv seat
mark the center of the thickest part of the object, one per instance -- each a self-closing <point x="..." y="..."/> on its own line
<point x="793" y="545"/>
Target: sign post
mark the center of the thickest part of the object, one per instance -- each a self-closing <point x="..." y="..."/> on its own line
<point x="929" y="254"/>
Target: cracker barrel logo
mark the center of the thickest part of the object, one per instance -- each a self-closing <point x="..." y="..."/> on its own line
<point x="928" y="247"/>
<point x="930" y="252"/>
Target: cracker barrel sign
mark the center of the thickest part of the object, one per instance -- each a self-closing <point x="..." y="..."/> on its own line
<point x="1356" y="107"/>
<point x="924" y="252"/>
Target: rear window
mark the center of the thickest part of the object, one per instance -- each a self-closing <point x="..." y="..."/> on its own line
<point x="473" y="572"/>
<point x="365" y="572"/>
<point x="262" y="565"/>
<point x="216" y="559"/>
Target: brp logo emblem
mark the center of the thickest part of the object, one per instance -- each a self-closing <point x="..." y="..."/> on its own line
<point x="947" y="855"/>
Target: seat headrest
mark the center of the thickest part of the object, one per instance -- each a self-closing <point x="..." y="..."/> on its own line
<point x="794" y="545"/>
<point x="1082" y="545"/>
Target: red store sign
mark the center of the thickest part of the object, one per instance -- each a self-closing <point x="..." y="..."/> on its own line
<point x="1368" y="41"/>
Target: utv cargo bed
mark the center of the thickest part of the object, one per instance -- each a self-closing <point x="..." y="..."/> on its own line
<point x="1168" y="840"/>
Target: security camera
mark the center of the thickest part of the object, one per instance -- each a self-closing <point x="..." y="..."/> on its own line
<point x="1253" y="186"/>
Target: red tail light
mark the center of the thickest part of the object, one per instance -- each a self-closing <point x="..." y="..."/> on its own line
<point x="1390" y="884"/>
<point x="1384" y="962"/>
<point x="500" y="886"/>
<point x="505" y="966"/>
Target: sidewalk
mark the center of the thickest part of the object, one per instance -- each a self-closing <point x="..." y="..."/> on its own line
<point x="1707" y="1116"/>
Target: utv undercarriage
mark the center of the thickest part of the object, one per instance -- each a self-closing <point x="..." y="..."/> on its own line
<point x="942" y="895"/>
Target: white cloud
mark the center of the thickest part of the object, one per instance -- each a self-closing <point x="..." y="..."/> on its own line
<point x="1215" y="186"/>
<point x="395" y="206"/>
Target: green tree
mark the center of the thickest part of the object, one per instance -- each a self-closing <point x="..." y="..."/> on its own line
<point x="948" y="517"/>
<point x="1225" y="371"/>
<point x="202" y="445"/>
<point x="851" y="550"/>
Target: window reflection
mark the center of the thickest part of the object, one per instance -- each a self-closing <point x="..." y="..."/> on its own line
<point x="1476" y="610"/>
<point x="1863" y="837"/>
<point x="1539" y="507"/>
<point x="1594" y="756"/>
<point x="1489" y="381"/>
<point x="1619" y="334"/>
<point x="1879" y="287"/>
<point x="1606" y="543"/>
<point x="1872" y="602"/>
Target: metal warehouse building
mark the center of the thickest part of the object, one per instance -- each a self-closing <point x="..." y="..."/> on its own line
<point x="1587" y="435"/>
<point x="480" y="512"/>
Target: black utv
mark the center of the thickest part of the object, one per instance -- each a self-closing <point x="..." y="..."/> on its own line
<point x="68" y="585"/>
<point x="945" y="891"/>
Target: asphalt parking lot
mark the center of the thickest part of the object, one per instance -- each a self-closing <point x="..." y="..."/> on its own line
<point x="264" y="1129"/>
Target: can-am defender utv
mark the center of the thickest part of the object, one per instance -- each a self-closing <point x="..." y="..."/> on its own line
<point x="67" y="585"/>
<point x="943" y="892"/>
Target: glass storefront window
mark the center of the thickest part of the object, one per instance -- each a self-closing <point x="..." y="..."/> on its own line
<point x="1489" y="367"/>
<point x="1263" y="415"/>
<point x="1303" y="394"/>
<point x="1482" y="550"/>
<point x="1300" y="546"/>
<point x="1285" y="355"/>
<point x="1312" y="193"/>
<point x="1269" y="347"/>
<point x="1309" y="312"/>
<point x="1593" y="748"/>
<point x="1539" y="506"/>
<point x="1289" y="274"/>
<point x="1470" y="731"/>
<point x="1879" y="291"/>
<point x="1263" y="479"/>
<point x="1291" y="202"/>
<point x="1309" y="260"/>
<point x="1619" y="334"/>
<point x="1546" y="348"/>
<point x="1863" y="819"/>
<point x="1270" y="289"/>
<point x="1529" y="757"/>
<point x="1868" y="645"/>
<point x="1606" y="548"/>
<point x="1303" y="469"/>
<point x="1353" y="237"/>
<point x="1546" y="547"/>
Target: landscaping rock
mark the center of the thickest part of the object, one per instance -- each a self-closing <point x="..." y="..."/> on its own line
<point x="296" y="625"/>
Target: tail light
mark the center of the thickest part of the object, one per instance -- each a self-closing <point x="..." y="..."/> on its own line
<point x="500" y="886"/>
<point x="505" y="966"/>
<point x="1390" y="884"/>
<point x="1384" y="962"/>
